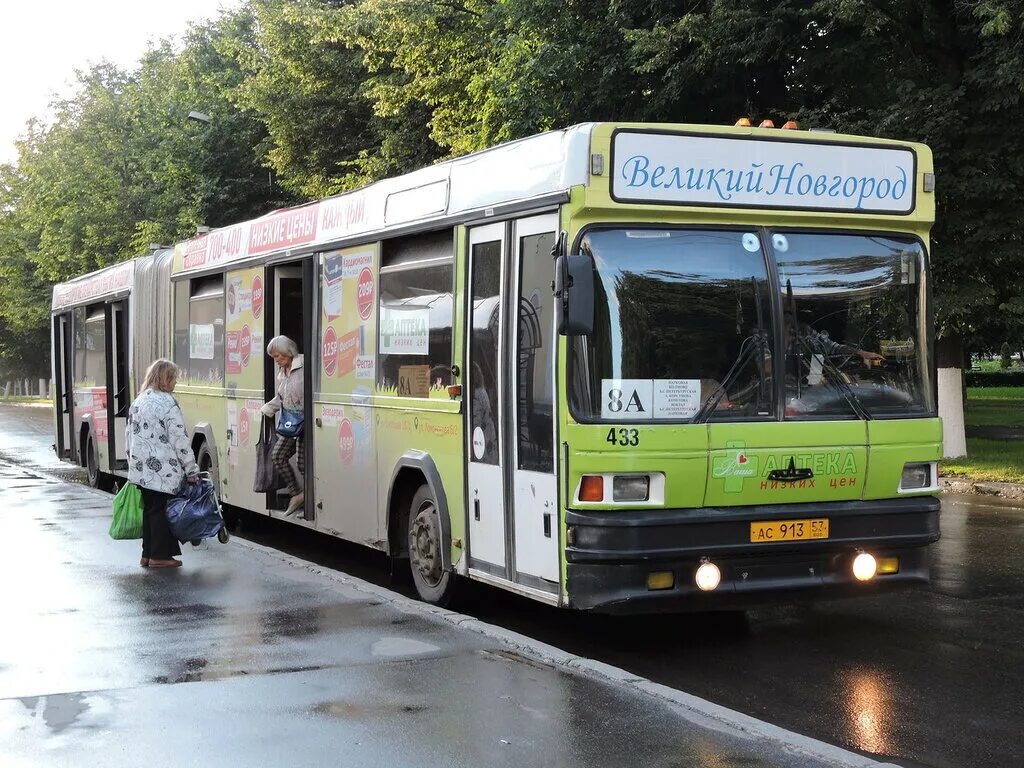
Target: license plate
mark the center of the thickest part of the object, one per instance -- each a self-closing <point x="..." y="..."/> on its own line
<point x="768" y="531"/>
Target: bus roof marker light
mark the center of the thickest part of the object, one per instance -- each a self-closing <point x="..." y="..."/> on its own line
<point x="790" y="125"/>
<point x="864" y="567"/>
<point x="767" y="124"/>
<point x="743" y="122"/>
<point x="928" y="183"/>
<point x="597" y="164"/>
<point x="708" y="576"/>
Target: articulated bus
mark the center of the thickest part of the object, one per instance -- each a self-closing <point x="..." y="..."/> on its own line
<point x="616" y="367"/>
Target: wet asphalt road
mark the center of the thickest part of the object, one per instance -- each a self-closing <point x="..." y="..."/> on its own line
<point x="928" y="677"/>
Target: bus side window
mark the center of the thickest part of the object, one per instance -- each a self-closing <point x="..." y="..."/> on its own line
<point x="415" y="331"/>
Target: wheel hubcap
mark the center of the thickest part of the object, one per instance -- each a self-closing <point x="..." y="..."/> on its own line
<point x="424" y="544"/>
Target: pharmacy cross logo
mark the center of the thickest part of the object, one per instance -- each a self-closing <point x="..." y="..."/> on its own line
<point x="734" y="466"/>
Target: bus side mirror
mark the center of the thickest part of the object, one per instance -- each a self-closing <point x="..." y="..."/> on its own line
<point x="574" y="294"/>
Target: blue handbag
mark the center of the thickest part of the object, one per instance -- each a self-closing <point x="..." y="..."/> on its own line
<point x="290" y="423"/>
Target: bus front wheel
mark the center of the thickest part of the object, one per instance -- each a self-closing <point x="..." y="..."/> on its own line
<point x="433" y="583"/>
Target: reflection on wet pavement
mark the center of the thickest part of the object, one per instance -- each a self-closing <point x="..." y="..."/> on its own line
<point x="926" y="677"/>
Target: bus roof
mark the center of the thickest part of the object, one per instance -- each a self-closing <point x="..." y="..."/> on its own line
<point x="636" y="163"/>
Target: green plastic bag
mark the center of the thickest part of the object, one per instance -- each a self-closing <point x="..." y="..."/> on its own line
<point x="127" y="522"/>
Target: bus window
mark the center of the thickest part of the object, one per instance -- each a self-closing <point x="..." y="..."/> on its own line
<point x="682" y="320"/>
<point x="855" y="329"/>
<point x="416" y="310"/>
<point x="535" y="341"/>
<point x="181" y="289"/>
<point x="96" y="348"/>
<point x="78" y="326"/>
<point x="199" y="329"/>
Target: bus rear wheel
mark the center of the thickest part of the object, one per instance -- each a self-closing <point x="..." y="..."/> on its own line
<point x="204" y="460"/>
<point x="97" y="479"/>
<point x="434" y="584"/>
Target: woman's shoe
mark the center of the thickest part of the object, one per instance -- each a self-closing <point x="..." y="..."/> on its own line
<point x="295" y="504"/>
<point x="164" y="563"/>
<point x="144" y="562"/>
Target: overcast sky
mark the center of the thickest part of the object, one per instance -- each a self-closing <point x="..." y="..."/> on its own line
<point x="43" y="42"/>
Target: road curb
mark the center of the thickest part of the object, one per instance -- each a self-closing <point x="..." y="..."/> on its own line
<point x="700" y="711"/>
<point x="967" y="486"/>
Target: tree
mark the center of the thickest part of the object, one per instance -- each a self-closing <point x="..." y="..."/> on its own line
<point x="307" y="85"/>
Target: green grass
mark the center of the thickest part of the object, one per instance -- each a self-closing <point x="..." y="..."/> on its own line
<point x="25" y="400"/>
<point x="995" y="406"/>
<point x="998" y="460"/>
<point x="995" y="393"/>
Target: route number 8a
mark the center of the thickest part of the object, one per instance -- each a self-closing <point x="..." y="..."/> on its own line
<point x="623" y="436"/>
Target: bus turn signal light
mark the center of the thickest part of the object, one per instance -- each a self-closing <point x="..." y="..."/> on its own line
<point x="660" y="580"/>
<point x="888" y="565"/>
<point x="592" y="488"/>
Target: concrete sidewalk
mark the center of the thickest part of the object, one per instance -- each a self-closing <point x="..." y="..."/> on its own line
<point x="249" y="657"/>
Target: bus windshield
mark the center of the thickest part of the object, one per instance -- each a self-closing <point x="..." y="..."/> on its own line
<point x="684" y="328"/>
<point x="854" y="325"/>
<point x="682" y="318"/>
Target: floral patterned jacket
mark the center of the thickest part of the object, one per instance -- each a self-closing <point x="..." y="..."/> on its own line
<point x="159" y="450"/>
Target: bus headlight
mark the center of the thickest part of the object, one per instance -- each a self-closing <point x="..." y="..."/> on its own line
<point x="631" y="488"/>
<point x="708" y="576"/>
<point x="864" y="567"/>
<point x="915" y="477"/>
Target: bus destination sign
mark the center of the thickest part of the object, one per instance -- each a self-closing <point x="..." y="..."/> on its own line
<point x="744" y="172"/>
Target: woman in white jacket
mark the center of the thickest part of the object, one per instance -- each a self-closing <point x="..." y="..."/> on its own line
<point x="160" y="460"/>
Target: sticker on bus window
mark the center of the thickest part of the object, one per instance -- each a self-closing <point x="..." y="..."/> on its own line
<point x="627" y="399"/>
<point x="676" y="398"/>
<point x="200" y="341"/>
<point x="404" y="330"/>
<point x="633" y="399"/>
<point x="333" y="271"/>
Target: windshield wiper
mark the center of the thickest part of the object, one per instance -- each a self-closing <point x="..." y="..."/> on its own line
<point x="755" y="343"/>
<point x="835" y="378"/>
<point x="751" y="346"/>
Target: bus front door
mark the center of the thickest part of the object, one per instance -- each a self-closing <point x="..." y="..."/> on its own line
<point x="532" y="359"/>
<point x="513" y="520"/>
<point x="486" y="376"/>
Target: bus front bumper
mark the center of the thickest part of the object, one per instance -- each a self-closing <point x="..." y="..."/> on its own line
<point x="611" y="554"/>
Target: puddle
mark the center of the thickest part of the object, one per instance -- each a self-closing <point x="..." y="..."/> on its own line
<point x="59" y="712"/>
<point x="401" y="646"/>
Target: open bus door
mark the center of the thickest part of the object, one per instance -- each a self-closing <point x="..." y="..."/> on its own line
<point x="118" y="390"/>
<point x="512" y="488"/>
<point x="63" y="387"/>
<point x="290" y="292"/>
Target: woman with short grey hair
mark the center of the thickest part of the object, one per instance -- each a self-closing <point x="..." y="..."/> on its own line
<point x="289" y="402"/>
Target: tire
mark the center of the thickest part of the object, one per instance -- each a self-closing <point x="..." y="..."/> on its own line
<point x="204" y="458"/>
<point x="222" y="535"/>
<point x="433" y="584"/>
<point x="97" y="479"/>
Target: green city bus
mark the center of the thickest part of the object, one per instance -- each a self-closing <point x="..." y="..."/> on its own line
<point x="620" y="367"/>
